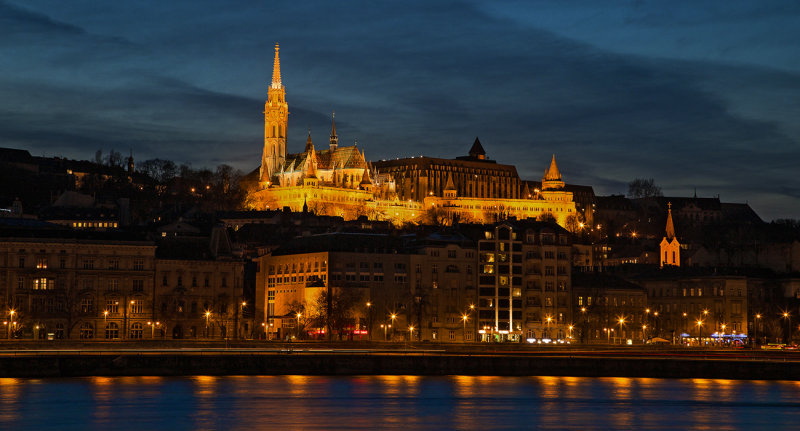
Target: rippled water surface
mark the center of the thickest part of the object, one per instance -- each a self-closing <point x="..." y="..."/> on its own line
<point x="410" y="402"/>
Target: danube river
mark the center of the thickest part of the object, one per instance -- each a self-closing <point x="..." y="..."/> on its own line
<point x="399" y="402"/>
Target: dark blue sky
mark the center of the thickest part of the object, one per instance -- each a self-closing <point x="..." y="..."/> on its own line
<point x="694" y="94"/>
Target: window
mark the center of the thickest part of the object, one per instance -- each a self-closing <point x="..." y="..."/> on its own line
<point x="468" y="336"/>
<point x="62" y="262"/>
<point x="41" y="263"/>
<point x="112" y="331"/>
<point x="194" y="281"/>
<point x="206" y="282"/>
<point x="138" y="285"/>
<point x="87" y="304"/>
<point x="451" y="335"/>
<point x="136" y="331"/>
<point x="224" y="281"/>
<point x="138" y="264"/>
<point x="136" y="306"/>
<point x="87" y="331"/>
<point x="451" y="254"/>
<point x="377" y="266"/>
<point x="113" y="264"/>
<point x="164" y="280"/>
<point x="20" y="283"/>
<point x="88" y="263"/>
<point x="180" y="280"/>
<point x="42" y="284"/>
<point x="434" y="269"/>
<point x="399" y="278"/>
<point x="113" y="285"/>
<point x="112" y="306"/>
<point x="549" y="270"/>
<point x="400" y="267"/>
<point x="22" y="262"/>
<point x="59" y="331"/>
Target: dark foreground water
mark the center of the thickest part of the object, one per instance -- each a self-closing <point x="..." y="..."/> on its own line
<point x="407" y="402"/>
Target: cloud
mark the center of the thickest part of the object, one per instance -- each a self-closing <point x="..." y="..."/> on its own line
<point x="187" y="81"/>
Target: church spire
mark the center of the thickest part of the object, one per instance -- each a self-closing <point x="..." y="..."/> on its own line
<point x="670" y="226"/>
<point x="309" y="144"/>
<point x="334" y="138"/>
<point x="276" y="69"/>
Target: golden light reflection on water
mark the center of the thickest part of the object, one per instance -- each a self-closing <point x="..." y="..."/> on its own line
<point x="9" y="399"/>
<point x="413" y="402"/>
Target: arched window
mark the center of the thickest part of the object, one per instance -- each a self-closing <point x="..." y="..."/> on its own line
<point x="273" y="132"/>
<point x="112" y="331"/>
<point x="136" y="331"/>
<point x="87" y="331"/>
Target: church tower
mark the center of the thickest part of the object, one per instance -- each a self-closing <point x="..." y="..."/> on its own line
<point x="670" y="247"/>
<point x="276" y="115"/>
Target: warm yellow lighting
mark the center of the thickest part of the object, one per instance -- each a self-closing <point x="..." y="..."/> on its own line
<point x="699" y="323"/>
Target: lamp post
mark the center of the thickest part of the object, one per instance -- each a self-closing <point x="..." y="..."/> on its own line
<point x="583" y="327"/>
<point x="383" y="326"/>
<point x="621" y="321"/>
<point x="644" y="334"/>
<point x="297" y="331"/>
<point x="207" y="315"/>
<point x="569" y="328"/>
<point x="11" y="313"/>
<point x="369" y="321"/>
<point x="720" y="339"/>
<point x="547" y="320"/>
<point x="699" y="331"/>
<point x="464" y="319"/>
<point x="125" y="320"/>
<point x="393" y="316"/>
<point x="755" y="328"/>
<point x="236" y="318"/>
<point x="788" y="318"/>
<point x="410" y="334"/>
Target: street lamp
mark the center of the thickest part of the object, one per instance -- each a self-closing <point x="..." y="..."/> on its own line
<point x="788" y="318"/>
<point x="464" y="320"/>
<point x="411" y="334"/>
<point x="755" y="330"/>
<point x="369" y="321"/>
<point x="105" y="316"/>
<point x="384" y="331"/>
<point x="393" y="316"/>
<point x="548" y="319"/>
<point x="569" y="328"/>
<point x="621" y="321"/>
<point x="699" y="330"/>
<point x="297" y="332"/>
<point x="644" y="334"/>
<point x="723" y="333"/>
<point x="207" y="314"/>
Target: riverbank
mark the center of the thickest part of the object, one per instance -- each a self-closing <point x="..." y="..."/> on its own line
<point x="78" y="363"/>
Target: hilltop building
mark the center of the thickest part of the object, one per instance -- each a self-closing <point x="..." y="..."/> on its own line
<point x="339" y="181"/>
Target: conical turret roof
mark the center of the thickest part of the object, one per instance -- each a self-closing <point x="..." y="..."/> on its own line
<point x="552" y="173"/>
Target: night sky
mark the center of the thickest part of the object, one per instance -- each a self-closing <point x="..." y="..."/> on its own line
<point x="697" y="94"/>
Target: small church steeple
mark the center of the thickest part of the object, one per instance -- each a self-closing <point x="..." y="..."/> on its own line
<point x="334" y="138"/>
<point x="670" y="247"/>
<point x="309" y="144"/>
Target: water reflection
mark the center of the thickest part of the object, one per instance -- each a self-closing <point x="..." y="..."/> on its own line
<point x="395" y="402"/>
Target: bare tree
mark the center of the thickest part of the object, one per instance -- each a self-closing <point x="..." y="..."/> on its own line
<point x="643" y="188"/>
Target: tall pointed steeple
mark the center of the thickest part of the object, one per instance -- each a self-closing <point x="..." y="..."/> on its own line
<point x="276" y="69"/>
<point x="670" y="247"/>
<point x="309" y="144"/>
<point x="334" y="138"/>
<point x="276" y="116"/>
<point x="670" y="226"/>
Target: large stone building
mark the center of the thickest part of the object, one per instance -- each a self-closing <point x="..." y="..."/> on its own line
<point x="65" y="284"/>
<point x="57" y="285"/>
<point x="340" y="181"/>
